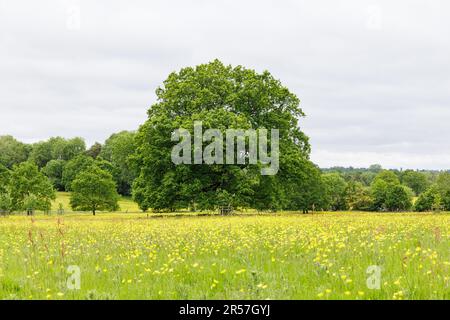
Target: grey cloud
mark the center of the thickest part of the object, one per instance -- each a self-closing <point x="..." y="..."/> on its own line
<point x="374" y="87"/>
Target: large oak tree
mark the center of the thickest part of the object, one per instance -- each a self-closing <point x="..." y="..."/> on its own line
<point x="223" y="97"/>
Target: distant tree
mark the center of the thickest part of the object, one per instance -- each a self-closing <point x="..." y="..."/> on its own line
<point x="378" y="192"/>
<point x="94" y="190"/>
<point x="437" y="203"/>
<point x="41" y="153"/>
<point x="73" y="168"/>
<point x="436" y="197"/>
<point x="70" y="149"/>
<point x="12" y="151"/>
<point x="426" y="200"/>
<point x="95" y="150"/>
<point x="375" y="168"/>
<point x="358" y="197"/>
<point x="60" y="208"/>
<point x="417" y="181"/>
<point x="432" y="176"/>
<point x="367" y="178"/>
<point x="56" y="148"/>
<point x="443" y="187"/>
<point x="117" y="149"/>
<point x="54" y="171"/>
<point x="5" y="176"/>
<point x="388" y="194"/>
<point x="398" y="197"/>
<point x="5" y="198"/>
<point x="335" y="191"/>
<point x="28" y="183"/>
<point x="387" y="176"/>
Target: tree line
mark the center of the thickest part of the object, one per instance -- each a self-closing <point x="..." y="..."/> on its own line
<point x="375" y="189"/>
<point x="222" y="97"/>
<point x="31" y="173"/>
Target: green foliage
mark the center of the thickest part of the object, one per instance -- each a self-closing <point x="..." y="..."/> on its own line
<point x="222" y="97"/>
<point x="367" y="178"/>
<point x="398" y="198"/>
<point x="54" y="171"/>
<point x="426" y="200"/>
<point x="73" y="168"/>
<point x="361" y="175"/>
<point x="297" y="186"/>
<point x="105" y="165"/>
<point x="56" y="148"/>
<point x="94" y="151"/>
<point x="375" y="168"/>
<point x="5" y="203"/>
<point x="117" y="149"/>
<point x="166" y="186"/>
<point x="443" y="187"/>
<point x="388" y="194"/>
<point x="378" y="192"/>
<point x="358" y="197"/>
<point x="12" y="151"/>
<point x="5" y="176"/>
<point x="437" y="203"/>
<point x="94" y="189"/>
<point x="417" y="181"/>
<point x="387" y="176"/>
<point x="41" y="153"/>
<point x="30" y="187"/>
<point x="5" y="198"/>
<point x="336" y="191"/>
<point x="60" y="208"/>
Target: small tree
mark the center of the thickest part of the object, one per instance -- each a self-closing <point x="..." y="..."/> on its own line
<point x="30" y="187"/>
<point x="94" y="189"/>
<point x="389" y="194"/>
<point x="398" y="198"/>
<point x="358" y="196"/>
<point x="437" y="203"/>
<point x="378" y="193"/>
<point x="60" y="208"/>
<point x="427" y="199"/>
<point x="417" y="181"/>
<point x="54" y="170"/>
<point x="73" y="168"/>
<point x="117" y="149"/>
<point x="443" y="187"/>
<point x="335" y="191"/>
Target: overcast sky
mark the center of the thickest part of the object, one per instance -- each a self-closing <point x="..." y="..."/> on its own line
<point x="373" y="76"/>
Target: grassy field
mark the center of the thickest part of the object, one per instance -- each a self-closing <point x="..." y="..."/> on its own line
<point x="289" y="256"/>
<point x="126" y="204"/>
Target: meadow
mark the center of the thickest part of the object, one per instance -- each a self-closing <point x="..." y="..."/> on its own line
<point x="126" y="204"/>
<point x="276" y="256"/>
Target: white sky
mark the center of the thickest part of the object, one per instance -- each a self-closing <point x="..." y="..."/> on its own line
<point x="373" y="76"/>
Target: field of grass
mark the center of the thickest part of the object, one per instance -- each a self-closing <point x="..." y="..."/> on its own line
<point x="126" y="204"/>
<point x="289" y="256"/>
